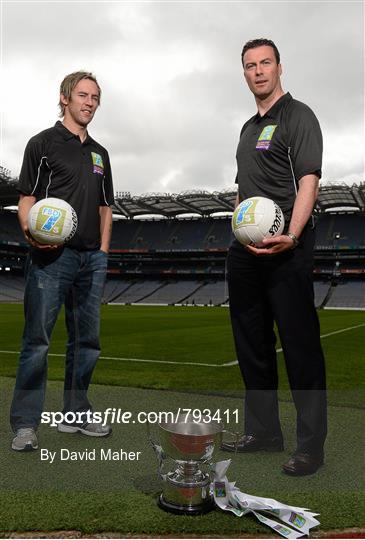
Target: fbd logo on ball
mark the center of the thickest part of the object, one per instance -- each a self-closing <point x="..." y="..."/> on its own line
<point x="50" y="220"/>
<point x="247" y="212"/>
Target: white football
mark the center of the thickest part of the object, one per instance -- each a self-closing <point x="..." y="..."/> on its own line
<point x="257" y="218"/>
<point x="52" y="221"/>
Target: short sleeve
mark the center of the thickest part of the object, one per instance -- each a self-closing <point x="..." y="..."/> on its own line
<point x="305" y="141"/>
<point x="107" y="195"/>
<point x="242" y="130"/>
<point x="31" y="168"/>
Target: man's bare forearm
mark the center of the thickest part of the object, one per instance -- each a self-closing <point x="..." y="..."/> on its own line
<point x="304" y="203"/>
<point x="25" y="204"/>
<point x="106" y="223"/>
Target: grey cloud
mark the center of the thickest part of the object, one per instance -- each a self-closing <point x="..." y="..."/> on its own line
<point x="184" y="135"/>
<point x="50" y="31"/>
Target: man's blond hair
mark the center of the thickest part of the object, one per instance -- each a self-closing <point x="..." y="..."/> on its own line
<point x="69" y="83"/>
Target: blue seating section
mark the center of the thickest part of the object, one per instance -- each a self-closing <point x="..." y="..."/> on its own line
<point x="181" y="261"/>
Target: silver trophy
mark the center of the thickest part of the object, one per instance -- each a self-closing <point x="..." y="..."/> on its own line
<point x="191" y="445"/>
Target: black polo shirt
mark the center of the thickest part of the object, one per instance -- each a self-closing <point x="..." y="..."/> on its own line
<point x="57" y="164"/>
<point x="288" y="129"/>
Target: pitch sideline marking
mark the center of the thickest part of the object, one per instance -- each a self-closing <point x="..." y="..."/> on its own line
<point x="235" y="362"/>
<point x="227" y="364"/>
<point x="134" y="360"/>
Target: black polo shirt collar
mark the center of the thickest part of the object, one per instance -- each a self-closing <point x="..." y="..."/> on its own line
<point x="272" y="112"/>
<point x="67" y="134"/>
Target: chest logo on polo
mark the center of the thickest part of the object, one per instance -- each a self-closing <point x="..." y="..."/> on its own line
<point x="98" y="166"/>
<point x="266" y="135"/>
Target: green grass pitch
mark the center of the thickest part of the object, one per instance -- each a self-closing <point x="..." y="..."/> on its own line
<point x="181" y="338"/>
<point x="153" y="359"/>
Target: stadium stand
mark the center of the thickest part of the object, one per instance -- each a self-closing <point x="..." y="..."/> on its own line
<point x="341" y="231"/>
<point x="171" y="249"/>
<point x="138" y="291"/>
<point x="173" y="292"/>
<point x="115" y="289"/>
<point x="10" y="229"/>
<point x="171" y="235"/>
<point x="210" y="294"/>
<point x="347" y="295"/>
<point x="321" y="290"/>
<point x="11" y="288"/>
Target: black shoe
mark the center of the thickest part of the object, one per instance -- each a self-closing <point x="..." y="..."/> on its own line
<point x="251" y="443"/>
<point x="301" y="464"/>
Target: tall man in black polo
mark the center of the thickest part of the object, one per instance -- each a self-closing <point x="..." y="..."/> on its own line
<point x="279" y="157"/>
<point x="64" y="162"/>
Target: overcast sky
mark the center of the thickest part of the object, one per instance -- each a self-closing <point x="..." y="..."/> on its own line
<point x="174" y="98"/>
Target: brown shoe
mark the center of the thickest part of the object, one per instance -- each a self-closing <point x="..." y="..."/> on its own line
<point x="302" y="464"/>
<point x="251" y="443"/>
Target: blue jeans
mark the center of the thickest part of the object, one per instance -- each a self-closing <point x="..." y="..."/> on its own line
<point x="76" y="279"/>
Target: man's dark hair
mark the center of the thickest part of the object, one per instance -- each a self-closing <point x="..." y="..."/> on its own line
<point x="254" y="43"/>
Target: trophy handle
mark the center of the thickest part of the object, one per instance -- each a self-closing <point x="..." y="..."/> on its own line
<point x="155" y="444"/>
<point x="160" y="454"/>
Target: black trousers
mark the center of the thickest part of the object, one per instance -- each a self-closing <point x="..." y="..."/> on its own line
<point x="279" y="288"/>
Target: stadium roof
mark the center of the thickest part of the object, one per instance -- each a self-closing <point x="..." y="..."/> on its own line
<point x="197" y="202"/>
<point x="8" y="194"/>
<point x="337" y="195"/>
<point x="202" y="203"/>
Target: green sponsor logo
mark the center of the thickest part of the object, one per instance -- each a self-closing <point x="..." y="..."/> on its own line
<point x="220" y="489"/>
<point x="246" y="213"/>
<point x="97" y="159"/>
<point x="282" y="530"/>
<point x="267" y="133"/>
<point x="50" y="220"/>
<point x="297" y="520"/>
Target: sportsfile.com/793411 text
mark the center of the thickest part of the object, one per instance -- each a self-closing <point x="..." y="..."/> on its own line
<point x="113" y="415"/>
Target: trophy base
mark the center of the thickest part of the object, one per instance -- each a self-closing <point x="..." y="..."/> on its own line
<point x="191" y="510"/>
